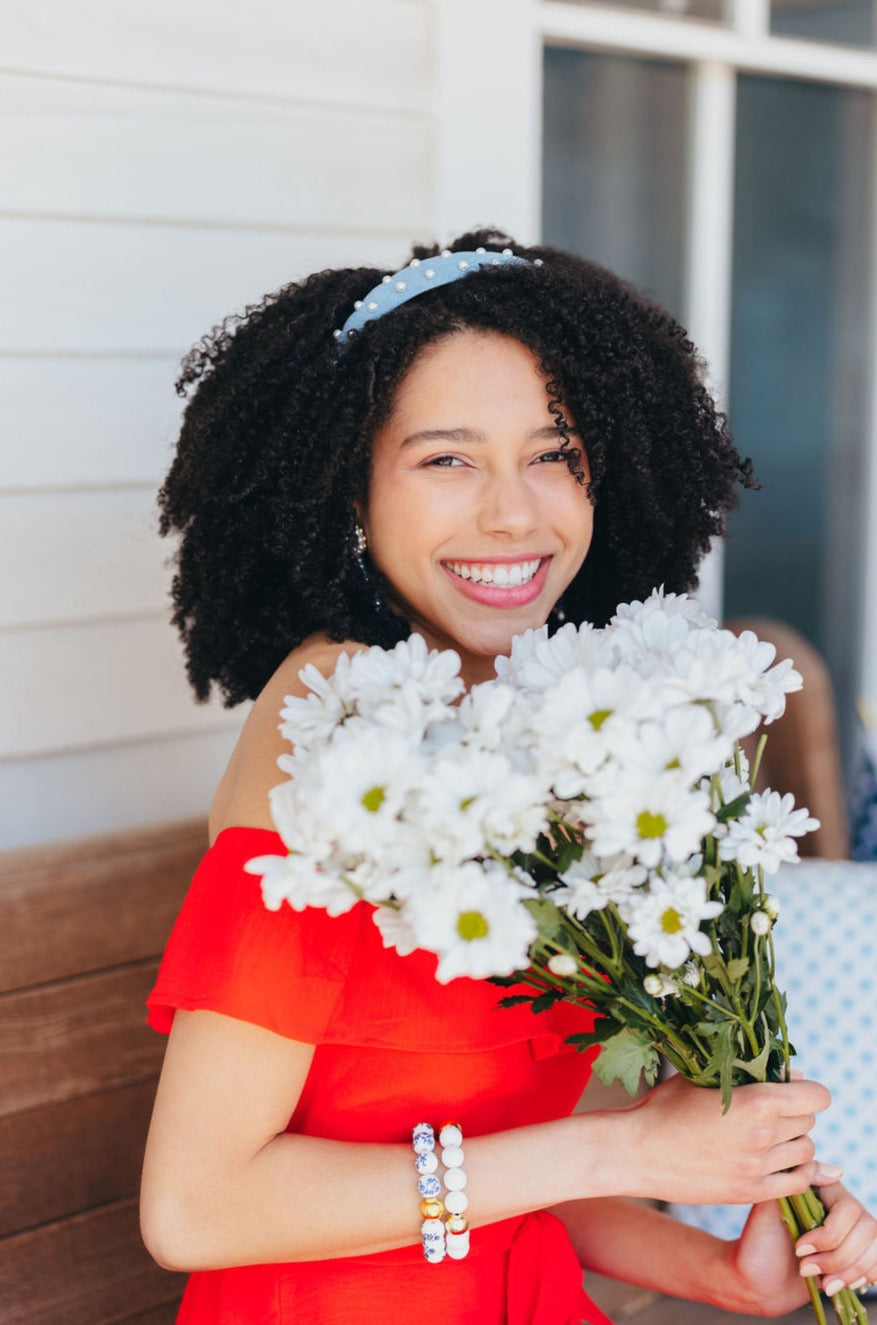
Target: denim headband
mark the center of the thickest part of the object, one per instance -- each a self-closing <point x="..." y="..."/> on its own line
<point x="421" y="275"/>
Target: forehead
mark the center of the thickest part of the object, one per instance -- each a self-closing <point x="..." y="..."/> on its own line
<point x="471" y="374"/>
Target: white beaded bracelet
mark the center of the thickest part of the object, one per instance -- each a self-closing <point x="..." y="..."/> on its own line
<point x="456" y="1201"/>
<point x="432" y="1230"/>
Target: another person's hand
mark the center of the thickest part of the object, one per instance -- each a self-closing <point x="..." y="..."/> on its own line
<point x="686" y="1150"/>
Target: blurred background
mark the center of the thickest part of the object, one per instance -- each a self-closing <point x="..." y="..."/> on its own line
<point x="164" y="164"/>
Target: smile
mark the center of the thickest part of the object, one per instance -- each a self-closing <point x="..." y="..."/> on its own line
<point x="499" y="575"/>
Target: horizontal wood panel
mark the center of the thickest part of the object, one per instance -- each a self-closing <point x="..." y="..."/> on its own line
<point x="373" y="53"/>
<point x="83" y="906"/>
<point x="88" y="286"/>
<point x="86" y="421"/>
<point x="81" y="555"/>
<point x="77" y="1037"/>
<point x="75" y="149"/>
<point x="69" y="1157"/>
<point x="92" y="1270"/>
<point x="113" y="787"/>
<point x="77" y="686"/>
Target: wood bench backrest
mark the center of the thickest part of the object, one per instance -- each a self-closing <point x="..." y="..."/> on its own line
<point x="82" y="927"/>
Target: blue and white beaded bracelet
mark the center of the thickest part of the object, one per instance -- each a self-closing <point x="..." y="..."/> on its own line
<point x="429" y="1187"/>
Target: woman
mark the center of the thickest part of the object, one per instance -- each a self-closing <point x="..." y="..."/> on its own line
<point x="463" y="448"/>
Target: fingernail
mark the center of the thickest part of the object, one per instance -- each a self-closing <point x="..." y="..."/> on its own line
<point x="860" y="1283"/>
<point x="832" y="1286"/>
<point x="805" y="1250"/>
<point x="809" y="1269"/>
<point x="830" y="1170"/>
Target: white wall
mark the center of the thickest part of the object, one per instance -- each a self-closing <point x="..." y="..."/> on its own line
<point x="161" y="165"/>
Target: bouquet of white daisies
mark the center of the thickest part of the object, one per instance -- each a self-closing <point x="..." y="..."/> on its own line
<point x="584" y="827"/>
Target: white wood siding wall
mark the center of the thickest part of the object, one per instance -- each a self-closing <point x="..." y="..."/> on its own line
<point x="161" y="165"/>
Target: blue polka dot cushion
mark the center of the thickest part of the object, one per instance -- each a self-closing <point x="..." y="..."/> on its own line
<point x="826" y="947"/>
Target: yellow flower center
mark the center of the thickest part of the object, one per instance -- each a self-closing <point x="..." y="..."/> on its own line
<point x="671" y="921"/>
<point x="651" y="825"/>
<point x="598" y="717"/>
<point x="472" y="925"/>
<point x="373" y="799"/>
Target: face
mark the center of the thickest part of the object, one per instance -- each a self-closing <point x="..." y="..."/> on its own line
<point x="473" y="515"/>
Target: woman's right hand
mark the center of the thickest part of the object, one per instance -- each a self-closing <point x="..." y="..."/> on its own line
<point x="684" y="1149"/>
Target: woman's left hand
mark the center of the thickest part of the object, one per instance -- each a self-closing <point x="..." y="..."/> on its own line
<point x="770" y="1269"/>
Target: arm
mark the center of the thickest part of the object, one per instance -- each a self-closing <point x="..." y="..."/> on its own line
<point x="760" y="1273"/>
<point x="224" y="1184"/>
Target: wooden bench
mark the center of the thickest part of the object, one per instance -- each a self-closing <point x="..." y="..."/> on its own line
<point x="82" y="926"/>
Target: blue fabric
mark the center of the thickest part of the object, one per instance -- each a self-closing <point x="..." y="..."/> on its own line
<point x="826" y="942"/>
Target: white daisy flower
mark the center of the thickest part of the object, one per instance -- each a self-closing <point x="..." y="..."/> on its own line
<point x="301" y="882"/>
<point x="396" y="931"/>
<point x="475" y="922"/>
<point x="474" y="799"/>
<point x="591" y="883"/>
<point x="537" y="662"/>
<point x="356" y="785"/>
<point x="666" y="919"/>
<point x="684" y="738"/>
<point x="653" y="819"/>
<point x="409" y="681"/>
<point x="765" y="832"/>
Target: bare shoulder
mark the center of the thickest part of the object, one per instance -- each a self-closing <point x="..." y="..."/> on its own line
<point x="242" y="796"/>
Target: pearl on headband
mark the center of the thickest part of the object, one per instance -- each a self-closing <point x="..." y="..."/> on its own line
<point x="420" y="275"/>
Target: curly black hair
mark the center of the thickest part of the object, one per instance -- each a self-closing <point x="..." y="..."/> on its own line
<point x="276" y="438"/>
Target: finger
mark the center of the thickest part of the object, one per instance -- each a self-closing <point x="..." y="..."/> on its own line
<point x="843" y="1214"/>
<point x="790" y="1155"/>
<point x="849" y="1260"/>
<point x="796" y="1097"/>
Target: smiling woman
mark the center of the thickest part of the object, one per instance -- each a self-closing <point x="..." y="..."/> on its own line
<point x="474" y="515"/>
<point x="466" y="448"/>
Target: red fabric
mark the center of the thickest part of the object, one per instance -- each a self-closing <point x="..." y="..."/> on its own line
<point x="391" y="1044"/>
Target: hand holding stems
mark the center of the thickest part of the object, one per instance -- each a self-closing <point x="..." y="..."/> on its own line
<point x="770" y="1270"/>
<point x="688" y="1151"/>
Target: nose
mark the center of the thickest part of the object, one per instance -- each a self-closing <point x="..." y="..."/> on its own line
<point x="508" y="507"/>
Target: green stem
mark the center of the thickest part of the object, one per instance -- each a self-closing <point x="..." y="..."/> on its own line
<point x="757" y="765"/>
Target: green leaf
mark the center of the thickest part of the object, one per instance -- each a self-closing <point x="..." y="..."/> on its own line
<point x="547" y="1000"/>
<point x="734" y="808"/>
<point x="626" y="1057"/>
<point x="511" y="999"/>
<point x="737" y="968"/>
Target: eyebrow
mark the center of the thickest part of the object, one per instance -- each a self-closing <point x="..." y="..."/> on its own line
<point x="548" y="433"/>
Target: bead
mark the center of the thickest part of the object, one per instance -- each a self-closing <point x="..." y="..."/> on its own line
<point x="429" y="273"/>
<point x="434" y="1254"/>
<point x="481" y="250"/>
<point x="433" y="1236"/>
<point x="429" y="1185"/>
<point x="400" y="286"/>
<point x="507" y="253"/>
<point x="357" y="303"/>
<point x="464" y="266"/>
<point x="452" y="1157"/>
<point x="427" y="1162"/>
<point x="430" y="1227"/>
<point x="495" y="262"/>
<point x="446" y="252"/>
<point x="456" y="1224"/>
<point x="537" y="262"/>
<point x="415" y="262"/>
<point x="458" y="1246"/>
<point x="451" y="1134"/>
<point x="372" y="306"/>
<point x="455" y="1180"/>
<point x="385" y="280"/>
<point x="337" y="335"/>
<point x="423" y="1139"/>
<point x="431" y="1208"/>
<point x="456" y="1202"/>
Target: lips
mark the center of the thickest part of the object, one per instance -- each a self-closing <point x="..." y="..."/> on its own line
<point x="507" y="583"/>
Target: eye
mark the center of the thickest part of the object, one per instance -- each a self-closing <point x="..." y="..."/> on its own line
<point x="557" y="457"/>
<point x="442" y="462"/>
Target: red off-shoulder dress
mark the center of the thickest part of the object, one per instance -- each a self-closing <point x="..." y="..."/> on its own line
<point x="392" y="1047"/>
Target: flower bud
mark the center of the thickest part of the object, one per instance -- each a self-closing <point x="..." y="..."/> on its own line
<point x="759" y="923"/>
<point x="771" y="905"/>
<point x="563" y="964"/>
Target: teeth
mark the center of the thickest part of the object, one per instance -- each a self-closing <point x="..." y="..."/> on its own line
<point x="500" y="576"/>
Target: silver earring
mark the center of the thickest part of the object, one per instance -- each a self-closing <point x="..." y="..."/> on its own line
<point x="558" y="613"/>
<point x="360" y="547"/>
